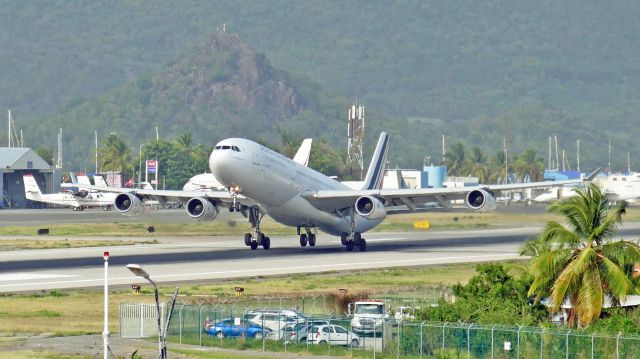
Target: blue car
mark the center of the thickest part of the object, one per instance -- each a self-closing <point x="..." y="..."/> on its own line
<point x="228" y="328"/>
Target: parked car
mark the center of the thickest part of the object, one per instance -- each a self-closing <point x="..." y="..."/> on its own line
<point x="333" y="335"/>
<point x="299" y="332"/>
<point x="232" y="328"/>
<point x="274" y="320"/>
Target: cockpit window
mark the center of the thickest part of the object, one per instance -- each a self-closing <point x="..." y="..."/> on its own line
<point x="235" y="148"/>
<point x="218" y="147"/>
<point x="226" y="147"/>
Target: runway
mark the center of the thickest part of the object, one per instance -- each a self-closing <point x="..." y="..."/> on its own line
<point x="194" y="259"/>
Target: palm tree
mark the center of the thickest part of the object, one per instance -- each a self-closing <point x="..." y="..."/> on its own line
<point x="528" y="165"/>
<point x="579" y="261"/>
<point x="185" y="141"/>
<point x="115" y="154"/>
<point x="478" y="164"/>
<point x="455" y="158"/>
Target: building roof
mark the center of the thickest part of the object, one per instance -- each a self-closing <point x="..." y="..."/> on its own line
<point x="17" y="158"/>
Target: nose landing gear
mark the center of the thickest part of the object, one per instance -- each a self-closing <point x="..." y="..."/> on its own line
<point x="257" y="239"/>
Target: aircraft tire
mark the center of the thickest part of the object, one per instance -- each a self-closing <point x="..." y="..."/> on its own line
<point x="349" y="246"/>
<point x="362" y="245"/>
<point x="247" y="239"/>
<point x="312" y="240"/>
<point x="303" y="240"/>
<point x="344" y="237"/>
<point x="254" y="246"/>
<point x="356" y="237"/>
<point x="266" y="243"/>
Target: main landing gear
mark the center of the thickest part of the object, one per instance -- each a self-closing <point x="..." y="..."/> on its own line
<point x="257" y="239"/>
<point x="307" y="238"/>
<point x="354" y="241"/>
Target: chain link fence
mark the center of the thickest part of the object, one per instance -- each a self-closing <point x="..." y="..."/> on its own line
<point x="392" y="339"/>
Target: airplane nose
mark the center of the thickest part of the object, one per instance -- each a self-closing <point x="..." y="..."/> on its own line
<point x="220" y="164"/>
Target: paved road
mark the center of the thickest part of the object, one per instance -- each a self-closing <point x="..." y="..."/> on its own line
<point x="206" y="258"/>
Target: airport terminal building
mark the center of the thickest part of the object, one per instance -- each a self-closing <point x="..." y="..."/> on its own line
<point x="16" y="162"/>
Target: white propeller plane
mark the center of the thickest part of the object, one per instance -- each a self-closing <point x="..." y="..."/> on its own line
<point x="78" y="200"/>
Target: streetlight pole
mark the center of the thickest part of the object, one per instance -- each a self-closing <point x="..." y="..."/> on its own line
<point x="105" y="331"/>
<point x="140" y="164"/>
<point x="162" y="334"/>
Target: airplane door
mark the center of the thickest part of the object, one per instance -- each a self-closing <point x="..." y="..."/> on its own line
<point x="256" y="157"/>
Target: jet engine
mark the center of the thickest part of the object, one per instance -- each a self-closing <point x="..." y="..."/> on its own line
<point x="128" y="204"/>
<point x="201" y="208"/>
<point x="370" y="208"/>
<point x="480" y="199"/>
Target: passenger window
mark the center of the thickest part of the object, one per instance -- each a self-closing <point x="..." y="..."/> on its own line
<point x="326" y="330"/>
<point x="340" y="330"/>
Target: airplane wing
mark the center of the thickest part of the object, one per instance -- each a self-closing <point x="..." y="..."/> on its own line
<point x="164" y="196"/>
<point x="414" y="198"/>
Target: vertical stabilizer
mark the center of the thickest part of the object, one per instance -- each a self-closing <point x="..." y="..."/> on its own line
<point x="99" y="181"/>
<point x="373" y="180"/>
<point x="302" y="156"/>
<point x="31" y="189"/>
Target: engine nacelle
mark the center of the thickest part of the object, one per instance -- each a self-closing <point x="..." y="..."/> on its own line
<point x="370" y="208"/>
<point x="201" y="208"/>
<point x="128" y="204"/>
<point x="481" y="200"/>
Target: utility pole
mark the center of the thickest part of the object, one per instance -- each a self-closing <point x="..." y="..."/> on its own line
<point x="96" y="133"/>
<point x="609" y="154"/>
<point x="578" y="155"/>
<point x="557" y="158"/>
<point x="444" y="153"/>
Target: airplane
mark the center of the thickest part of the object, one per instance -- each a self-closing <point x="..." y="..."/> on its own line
<point x="77" y="200"/>
<point x="621" y="187"/>
<point x="207" y="181"/>
<point x="557" y="193"/>
<point x="262" y="182"/>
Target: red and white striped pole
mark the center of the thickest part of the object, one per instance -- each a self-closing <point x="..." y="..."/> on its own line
<point x="105" y="332"/>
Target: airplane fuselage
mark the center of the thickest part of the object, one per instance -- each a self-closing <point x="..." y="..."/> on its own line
<point x="277" y="183"/>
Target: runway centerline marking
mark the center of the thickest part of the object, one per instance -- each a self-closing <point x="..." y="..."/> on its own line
<point x="7" y="277"/>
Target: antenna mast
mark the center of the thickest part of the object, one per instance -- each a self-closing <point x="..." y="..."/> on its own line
<point x="355" y="138"/>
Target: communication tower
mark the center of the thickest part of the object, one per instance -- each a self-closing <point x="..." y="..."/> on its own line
<point x="355" y="139"/>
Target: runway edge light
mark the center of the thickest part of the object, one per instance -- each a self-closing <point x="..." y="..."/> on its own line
<point x="105" y="255"/>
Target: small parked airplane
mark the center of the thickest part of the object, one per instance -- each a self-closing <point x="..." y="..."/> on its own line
<point x="78" y="200"/>
<point x="260" y="181"/>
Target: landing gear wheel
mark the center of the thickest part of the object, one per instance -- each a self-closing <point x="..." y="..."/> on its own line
<point x="356" y="237"/>
<point x="247" y="239"/>
<point x="312" y="240"/>
<point x="266" y="243"/>
<point x="254" y="246"/>
<point x="303" y="240"/>
<point x="349" y="246"/>
<point x="362" y="245"/>
<point x="344" y="237"/>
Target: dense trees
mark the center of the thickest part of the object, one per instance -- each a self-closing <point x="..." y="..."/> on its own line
<point x="462" y="162"/>
<point x="434" y="67"/>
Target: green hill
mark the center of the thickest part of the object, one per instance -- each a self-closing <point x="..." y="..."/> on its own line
<point x="568" y="68"/>
<point x="221" y="88"/>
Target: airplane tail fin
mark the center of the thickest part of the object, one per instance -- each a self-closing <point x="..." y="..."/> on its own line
<point x="84" y="180"/>
<point x="99" y="181"/>
<point x="373" y="180"/>
<point x="302" y="156"/>
<point x="31" y="189"/>
<point x="74" y="180"/>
